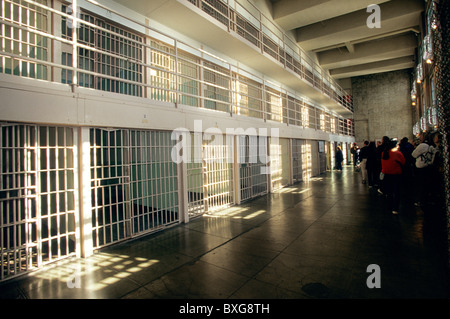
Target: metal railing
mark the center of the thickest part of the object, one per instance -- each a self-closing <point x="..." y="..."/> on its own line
<point x="277" y="47"/>
<point x="103" y="55"/>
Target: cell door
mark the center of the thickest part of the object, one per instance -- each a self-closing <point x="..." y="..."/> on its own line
<point x="194" y="168"/>
<point x="279" y="163"/>
<point x="154" y="181"/>
<point x="297" y="172"/>
<point x="245" y="177"/>
<point x="307" y="166"/>
<point x="252" y="166"/>
<point x="322" y="157"/>
<point x="134" y="184"/>
<point x="260" y="179"/>
<point x="37" y="197"/>
<point x="217" y="171"/>
<point x="110" y="186"/>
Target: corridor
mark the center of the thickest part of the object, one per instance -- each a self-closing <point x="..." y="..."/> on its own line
<point x="308" y="241"/>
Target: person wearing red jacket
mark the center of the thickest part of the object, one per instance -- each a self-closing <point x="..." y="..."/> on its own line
<point x="392" y="162"/>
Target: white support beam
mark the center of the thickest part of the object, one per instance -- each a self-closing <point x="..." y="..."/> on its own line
<point x="350" y="47"/>
<point x="84" y="160"/>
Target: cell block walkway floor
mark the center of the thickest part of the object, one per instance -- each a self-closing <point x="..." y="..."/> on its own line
<point x="308" y="241"/>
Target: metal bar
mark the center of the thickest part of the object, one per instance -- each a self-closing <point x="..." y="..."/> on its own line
<point x="123" y="80"/>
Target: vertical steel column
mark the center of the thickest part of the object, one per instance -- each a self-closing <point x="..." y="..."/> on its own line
<point x="183" y="195"/>
<point x="291" y="164"/>
<point x="236" y="171"/>
<point x="84" y="182"/>
<point x="74" y="45"/>
<point x="177" y="72"/>
<point x="270" y="164"/>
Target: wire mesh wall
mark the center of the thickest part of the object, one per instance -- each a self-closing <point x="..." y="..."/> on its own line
<point x="441" y="42"/>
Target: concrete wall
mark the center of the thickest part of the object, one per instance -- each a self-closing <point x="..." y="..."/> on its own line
<point x="382" y="105"/>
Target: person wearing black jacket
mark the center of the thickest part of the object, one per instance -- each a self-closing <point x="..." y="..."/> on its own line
<point x="408" y="170"/>
<point x="372" y="178"/>
<point x="385" y="143"/>
<point x="339" y="157"/>
<point x="355" y="151"/>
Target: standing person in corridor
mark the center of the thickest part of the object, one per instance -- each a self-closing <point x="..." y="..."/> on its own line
<point x="385" y="142"/>
<point x="355" y="154"/>
<point x="423" y="155"/>
<point x="372" y="177"/>
<point x="392" y="162"/>
<point x="339" y="157"/>
<point x="363" y="156"/>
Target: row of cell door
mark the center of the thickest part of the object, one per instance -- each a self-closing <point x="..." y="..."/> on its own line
<point x="133" y="190"/>
<point x="211" y="180"/>
<point x="134" y="185"/>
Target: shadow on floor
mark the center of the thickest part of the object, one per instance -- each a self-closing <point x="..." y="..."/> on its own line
<point x="313" y="240"/>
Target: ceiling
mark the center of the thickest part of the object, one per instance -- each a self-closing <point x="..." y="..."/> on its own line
<point x="335" y="30"/>
<point x="338" y="32"/>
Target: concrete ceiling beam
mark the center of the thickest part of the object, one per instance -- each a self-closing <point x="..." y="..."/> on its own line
<point x="393" y="47"/>
<point x="374" y="67"/>
<point x="295" y="14"/>
<point x="395" y="15"/>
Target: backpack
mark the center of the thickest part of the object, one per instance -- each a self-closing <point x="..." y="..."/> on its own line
<point x="427" y="157"/>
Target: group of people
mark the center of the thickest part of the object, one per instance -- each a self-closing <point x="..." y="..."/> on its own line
<point x="402" y="169"/>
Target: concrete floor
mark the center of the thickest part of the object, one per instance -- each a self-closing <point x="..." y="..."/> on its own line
<point x="309" y="241"/>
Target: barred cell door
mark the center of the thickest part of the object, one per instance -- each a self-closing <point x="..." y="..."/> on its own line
<point x="134" y="184"/>
<point x="297" y="172"/>
<point x="307" y="167"/>
<point x="110" y="186"/>
<point x="252" y="166"/>
<point x="245" y="172"/>
<point x="37" y="197"/>
<point x="217" y="171"/>
<point x="195" y="190"/>
<point x="279" y="148"/>
<point x="322" y="157"/>
<point x="154" y="181"/>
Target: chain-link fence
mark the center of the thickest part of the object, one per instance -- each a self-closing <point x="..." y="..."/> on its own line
<point x="442" y="58"/>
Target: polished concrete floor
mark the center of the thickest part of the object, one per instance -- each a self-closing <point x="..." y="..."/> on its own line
<point x="309" y="241"/>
